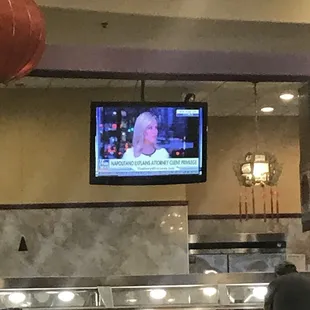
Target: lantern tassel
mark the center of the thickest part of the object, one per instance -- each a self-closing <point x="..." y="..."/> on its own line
<point x="264" y="203"/>
<point x="277" y="206"/>
<point x="253" y="202"/>
<point x="240" y="206"/>
<point x="246" y="205"/>
<point x="271" y="203"/>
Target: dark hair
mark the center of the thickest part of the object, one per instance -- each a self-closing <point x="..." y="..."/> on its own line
<point x="285" y="268"/>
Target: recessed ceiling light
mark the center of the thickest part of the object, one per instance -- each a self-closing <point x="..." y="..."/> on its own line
<point x="260" y="292"/>
<point x="209" y="291"/>
<point x="158" y="294"/>
<point x="208" y="271"/>
<point x="267" y="109"/>
<point x="17" y="298"/>
<point x="287" y="96"/>
<point x="66" y="296"/>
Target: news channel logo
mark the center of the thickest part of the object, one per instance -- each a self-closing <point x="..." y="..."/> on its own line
<point x="104" y="164"/>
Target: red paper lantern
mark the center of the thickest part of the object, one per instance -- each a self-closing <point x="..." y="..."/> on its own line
<point x="22" y="38"/>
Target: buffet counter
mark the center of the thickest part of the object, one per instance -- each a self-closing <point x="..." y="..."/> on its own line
<point x="212" y="291"/>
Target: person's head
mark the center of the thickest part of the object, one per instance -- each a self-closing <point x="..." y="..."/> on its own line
<point x="285" y="268"/>
<point x="145" y="132"/>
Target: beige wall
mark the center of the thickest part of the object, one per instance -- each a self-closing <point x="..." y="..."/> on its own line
<point x="44" y="156"/>
<point x="44" y="151"/>
<point x="229" y="139"/>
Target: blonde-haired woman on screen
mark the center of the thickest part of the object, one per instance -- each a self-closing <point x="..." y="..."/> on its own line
<point x="144" y="142"/>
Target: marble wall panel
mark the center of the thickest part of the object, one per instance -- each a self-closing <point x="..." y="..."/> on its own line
<point x="94" y="241"/>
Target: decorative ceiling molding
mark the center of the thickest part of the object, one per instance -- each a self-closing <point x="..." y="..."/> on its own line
<point x="127" y="63"/>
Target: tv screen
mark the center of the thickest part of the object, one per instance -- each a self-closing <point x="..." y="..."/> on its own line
<point x="135" y="143"/>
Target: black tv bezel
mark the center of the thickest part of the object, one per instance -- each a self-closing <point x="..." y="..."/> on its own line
<point x="146" y="180"/>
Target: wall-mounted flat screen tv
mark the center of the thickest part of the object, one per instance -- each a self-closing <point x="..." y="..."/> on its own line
<point x="147" y="143"/>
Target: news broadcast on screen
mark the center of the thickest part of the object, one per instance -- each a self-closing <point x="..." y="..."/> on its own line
<point x="143" y="140"/>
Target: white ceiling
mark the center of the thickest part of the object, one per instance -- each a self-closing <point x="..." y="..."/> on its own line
<point x="255" y="10"/>
<point x="224" y="98"/>
<point x="139" y="31"/>
<point x="186" y="25"/>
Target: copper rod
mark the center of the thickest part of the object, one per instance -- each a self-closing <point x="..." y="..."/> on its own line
<point x="271" y="203"/>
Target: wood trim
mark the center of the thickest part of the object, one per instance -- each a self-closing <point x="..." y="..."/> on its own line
<point x="82" y="205"/>
<point x="237" y="217"/>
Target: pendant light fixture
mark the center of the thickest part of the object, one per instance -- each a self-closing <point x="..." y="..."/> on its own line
<point x="258" y="173"/>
